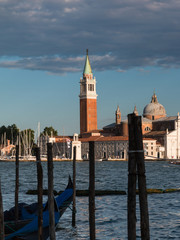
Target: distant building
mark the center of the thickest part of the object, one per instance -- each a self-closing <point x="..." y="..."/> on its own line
<point x="106" y="148"/>
<point x="155" y="125"/>
<point x="167" y="132"/>
<point x="7" y="150"/>
<point x="61" y="146"/>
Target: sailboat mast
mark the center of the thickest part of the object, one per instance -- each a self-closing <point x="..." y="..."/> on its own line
<point x="12" y="136"/>
<point x="63" y="143"/>
<point x="38" y="137"/>
<point x="5" y="139"/>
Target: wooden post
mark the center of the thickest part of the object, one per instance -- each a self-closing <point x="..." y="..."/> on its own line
<point x="40" y="194"/>
<point x="74" y="189"/>
<point x="145" y="235"/>
<point x="92" y="191"/>
<point x="1" y="216"/>
<point x="131" y="181"/>
<point x="50" y="193"/>
<point x="17" y="184"/>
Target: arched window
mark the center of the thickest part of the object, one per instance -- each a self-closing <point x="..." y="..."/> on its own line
<point x="147" y="129"/>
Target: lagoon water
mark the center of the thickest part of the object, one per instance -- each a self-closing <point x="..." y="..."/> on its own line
<point x="111" y="211"/>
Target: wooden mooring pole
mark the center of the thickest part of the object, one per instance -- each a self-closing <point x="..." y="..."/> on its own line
<point x="145" y="235"/>
<point x="50" y="192"/>
<point x="40" y="194"/>
<point x="17" y="184"/>
<point x="1" y="216"/>
<point x="136" y="161"/>
<point x="74" y="189"/>
<point x="92" y="227"/>
<point x="131" y="182"/>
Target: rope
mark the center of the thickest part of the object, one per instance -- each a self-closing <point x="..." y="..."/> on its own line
<point x="6" y="225"/>
<point x="74" y="211"/>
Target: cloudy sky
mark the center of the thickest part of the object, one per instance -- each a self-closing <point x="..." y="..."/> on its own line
<point x="134" y="49"/>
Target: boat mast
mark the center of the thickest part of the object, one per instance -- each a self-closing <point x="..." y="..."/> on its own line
<point x="63" y="143"/>
<point x="12" y="136"/>
<point x="38" y="137"/>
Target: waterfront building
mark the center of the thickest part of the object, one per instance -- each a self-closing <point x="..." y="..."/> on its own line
<point x="165" y="130"/>
<point x="61" y="146"/>
<point x="172" y="141"/>
<point x="106" y="148"/>
<point x="152" y="149"/>
<point x="7" y="150"/>
<point x="116" y="148"/>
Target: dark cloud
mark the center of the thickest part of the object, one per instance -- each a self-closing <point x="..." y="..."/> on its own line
<point x="53" y="35"/>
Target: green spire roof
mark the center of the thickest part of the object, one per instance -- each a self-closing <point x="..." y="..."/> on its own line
<point x="87" y="66"/>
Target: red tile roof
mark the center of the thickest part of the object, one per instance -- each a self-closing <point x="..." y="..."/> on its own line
<point x="104" y="139"/>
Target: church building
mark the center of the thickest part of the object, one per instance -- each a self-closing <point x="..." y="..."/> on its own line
<point x="161" y="133"/>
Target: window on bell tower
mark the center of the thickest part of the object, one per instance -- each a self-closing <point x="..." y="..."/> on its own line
<point x="84" y="88"/>
<point x="90" y="87"/>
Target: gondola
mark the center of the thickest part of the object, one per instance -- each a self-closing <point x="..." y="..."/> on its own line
<point x="26" y="228"/>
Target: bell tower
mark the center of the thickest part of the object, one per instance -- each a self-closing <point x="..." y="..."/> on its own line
<point x="88" y="99"/>
<point x="118" y="115"/>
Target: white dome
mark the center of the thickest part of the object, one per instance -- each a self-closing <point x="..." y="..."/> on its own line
<point x="154" y="108"/>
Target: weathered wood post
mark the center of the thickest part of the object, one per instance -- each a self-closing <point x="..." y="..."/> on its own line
<point x="92" y="226"/>
<point x="136" y="161"/>
<point x="145" y="235"/>
<point x="74" y="188"/>
<point x="1" y="216"/>
<point x="50" y="192"/>
<point x="40" y="194"/>
<point x="131" y="181"/>
<point x="17" y="184"/>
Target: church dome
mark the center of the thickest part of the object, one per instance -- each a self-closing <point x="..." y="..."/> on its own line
<point x="154" y="109"/>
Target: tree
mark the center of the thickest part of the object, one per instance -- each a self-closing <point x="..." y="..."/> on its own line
<point x="50" y="131"/>
<point x="11" y="132"/>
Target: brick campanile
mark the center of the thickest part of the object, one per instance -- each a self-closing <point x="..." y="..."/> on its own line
<point x="88" y="99"/>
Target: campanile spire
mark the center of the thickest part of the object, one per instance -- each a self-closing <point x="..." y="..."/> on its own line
<point x="87" y="66"/>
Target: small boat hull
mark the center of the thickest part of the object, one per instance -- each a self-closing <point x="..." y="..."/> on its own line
<point x="27" y="226"/>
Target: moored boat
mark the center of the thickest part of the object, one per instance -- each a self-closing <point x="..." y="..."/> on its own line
<point x="177" y="162"/>
<point x="27" y="225"/>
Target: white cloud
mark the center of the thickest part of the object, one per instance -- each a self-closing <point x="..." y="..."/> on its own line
<point x="120" y="70"/>
<point x="70" y="10"/>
